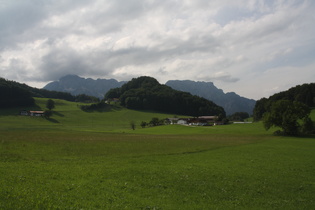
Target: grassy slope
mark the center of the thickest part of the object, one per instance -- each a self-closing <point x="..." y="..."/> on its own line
<point x="68" y="116"/>
<point x="94" y="160"/>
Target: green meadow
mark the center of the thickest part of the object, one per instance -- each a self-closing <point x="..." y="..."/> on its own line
<point x="94" y="160"/>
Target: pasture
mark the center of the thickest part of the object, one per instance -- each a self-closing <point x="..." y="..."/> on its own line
<point x="93" y="160"/>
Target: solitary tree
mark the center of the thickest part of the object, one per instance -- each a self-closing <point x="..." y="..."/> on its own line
<point x="133" y="125"/>
<point x="287" y="115"/>
<point x="50" y="104"/>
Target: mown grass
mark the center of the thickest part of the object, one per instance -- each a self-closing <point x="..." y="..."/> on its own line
<point x="66" y="164"/>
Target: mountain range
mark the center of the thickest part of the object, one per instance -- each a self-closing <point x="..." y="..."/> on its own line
<point x="231" y="102"/>
<point x="77" y="85"/>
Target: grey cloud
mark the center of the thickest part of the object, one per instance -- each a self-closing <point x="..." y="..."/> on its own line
<point x="15" y="70"/>
<point x="16" y="19"/>
<point x="61" y="62"/>
<point x="20" y="20"/>
<point x="174" y="38"/>
<point x="223" y="77"/>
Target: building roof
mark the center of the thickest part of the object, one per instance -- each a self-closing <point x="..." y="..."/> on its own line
<point x="37" y="112"/>
<point x="207" y="117"/>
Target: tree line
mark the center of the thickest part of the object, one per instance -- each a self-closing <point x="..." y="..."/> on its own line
<point x="289" y="110"/>
<point x="14" y="94"/>
<point x="301" y="93"/>
<point x="146" y="93"/>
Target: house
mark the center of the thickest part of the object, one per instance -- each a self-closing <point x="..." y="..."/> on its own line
<point x="172" y="120"/>
<point x="37" y="113"/>
<point x="115" y="100"/>
<point x="208" y="118"/>
<point x="24" y="113"/>
<point x="196" y="121"/>
<point x="182" y="121"/>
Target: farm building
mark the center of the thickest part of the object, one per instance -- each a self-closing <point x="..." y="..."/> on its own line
<point x="37" y="113"/>
<point x="24" y="113"/>
<point x="202" y="120"/>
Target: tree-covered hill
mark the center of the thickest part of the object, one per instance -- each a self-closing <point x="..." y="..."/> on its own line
<point x="146" y="93"/>
<point x="301" y="93"/>
<point x="14" y="94"/>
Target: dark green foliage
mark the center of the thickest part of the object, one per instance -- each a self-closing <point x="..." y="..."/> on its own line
<point x="101" y="106"/>
<point x="143" y="124"/>
<point x="145" y="93"/>
<point x="260" y="108"/>
<point x="154" y="121"/>
<point x="16" y="94"/>
<point x="308" y="126"/>
<point x="12" y="95"/>
<point x="50" y="104"/>
<point x="86" y="99"/>
<point x="302" y="93"/>
<point x="42" y="93"/>
<point x="239" y="116"/>
<point x="112" y="93"/>
<point x="286" y="115"/>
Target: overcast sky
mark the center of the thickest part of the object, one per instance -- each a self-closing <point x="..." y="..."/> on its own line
<point x="252" y="47"/>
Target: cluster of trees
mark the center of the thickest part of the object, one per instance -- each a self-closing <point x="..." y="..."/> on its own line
<point x="291" y="116"/>
<point x="100" y="106"/>
<point x="288" y="110"/>
<point x="302" y="93"/>
<point x="146" y="93"/>
<point x="239" y="116"/>
<point x="86" y="99"/>
<point x="155" y="121"/>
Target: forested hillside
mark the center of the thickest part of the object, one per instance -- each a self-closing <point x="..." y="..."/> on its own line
<point x="146" y="93"/>
<point x="302" y="93"/>
<point x="13" y="95"/>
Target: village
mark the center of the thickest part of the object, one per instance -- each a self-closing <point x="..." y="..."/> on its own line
<point x="196" y="121"/>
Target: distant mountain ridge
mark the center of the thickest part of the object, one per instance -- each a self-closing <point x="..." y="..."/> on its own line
<point x="231" y="102"/>
<point x="77" y="85"/>
<point x="146" y="93"/>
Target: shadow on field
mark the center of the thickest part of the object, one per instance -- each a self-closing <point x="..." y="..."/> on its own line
<point x="100" y="108"/>
<point x="58" y="114"/>
<point x="114" y="108"/>
<point x="52" y="120"/>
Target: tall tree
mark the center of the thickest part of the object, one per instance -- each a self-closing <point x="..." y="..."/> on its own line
<point x="50" y="104"/>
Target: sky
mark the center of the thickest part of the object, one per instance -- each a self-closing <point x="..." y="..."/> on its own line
<point x="252" y="47"/>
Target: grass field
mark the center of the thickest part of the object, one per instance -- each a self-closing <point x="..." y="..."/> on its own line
<point x="80" y="160"/>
